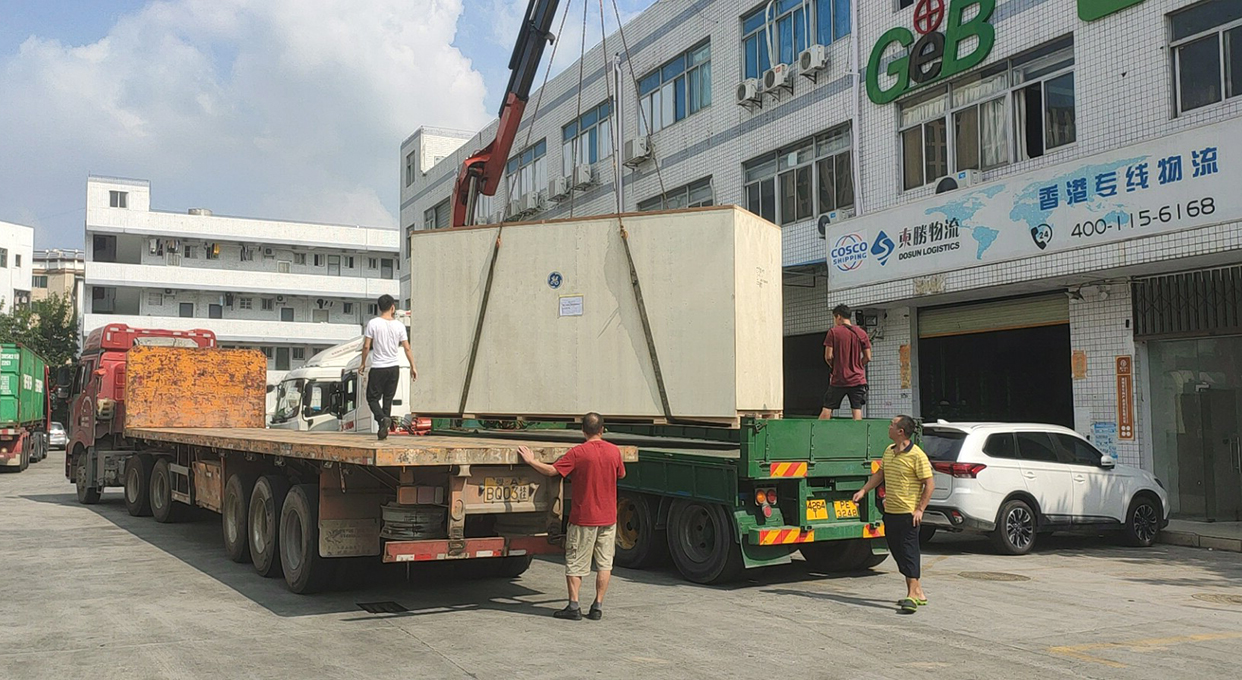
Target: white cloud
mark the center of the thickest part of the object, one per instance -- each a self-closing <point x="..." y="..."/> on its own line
<point x="289" y="109"/>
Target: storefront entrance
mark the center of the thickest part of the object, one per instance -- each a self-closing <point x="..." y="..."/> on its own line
<point x="1196" y="405"/>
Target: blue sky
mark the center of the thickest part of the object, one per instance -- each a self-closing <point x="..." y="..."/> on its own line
<point x="287" y="109"/>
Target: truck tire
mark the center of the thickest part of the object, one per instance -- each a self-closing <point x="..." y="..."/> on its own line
<point x="234" y="516"/>
<point x="87" y="495"/>
<point x="835" y="557"/>
<point x="639" y="543"/>
<point x="513" y="567"/>
<point x="702" y="541"/>
<point x="305" y="571"/>
<point x="138" y="484"/>
<point x="264" y="522"/>
<point x="163" y="508"/>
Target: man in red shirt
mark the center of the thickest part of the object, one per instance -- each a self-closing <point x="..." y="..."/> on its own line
<point x="596" y="466"/>
<point x="847" y="349"/>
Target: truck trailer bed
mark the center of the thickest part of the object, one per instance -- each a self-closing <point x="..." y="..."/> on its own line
<point x="362" y="448"/>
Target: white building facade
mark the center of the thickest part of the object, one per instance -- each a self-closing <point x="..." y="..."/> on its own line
<point x="16" y="260"/>
<point x="1082" y="265"/>
<point x="290" y="289"/>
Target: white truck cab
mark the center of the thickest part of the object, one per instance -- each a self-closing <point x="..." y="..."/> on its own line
<point x="305" y="396"/>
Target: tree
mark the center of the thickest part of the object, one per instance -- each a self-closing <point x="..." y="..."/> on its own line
<point x="47" y="327"/>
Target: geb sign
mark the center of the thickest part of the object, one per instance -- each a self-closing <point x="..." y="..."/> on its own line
<point x="937" y="52"/>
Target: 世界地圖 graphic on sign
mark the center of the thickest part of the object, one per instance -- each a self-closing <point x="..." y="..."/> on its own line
<point x="963" y="211"/>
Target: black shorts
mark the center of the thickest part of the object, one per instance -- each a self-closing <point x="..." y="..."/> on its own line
<point x="903" y="543"/>
<point x="834" y="395"/>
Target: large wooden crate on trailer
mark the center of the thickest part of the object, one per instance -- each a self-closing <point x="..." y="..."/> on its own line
<point x="562" y="334"/>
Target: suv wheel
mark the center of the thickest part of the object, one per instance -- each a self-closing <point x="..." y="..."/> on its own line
<point x="1016" y="527"/>
<point x="1142" y="522"/>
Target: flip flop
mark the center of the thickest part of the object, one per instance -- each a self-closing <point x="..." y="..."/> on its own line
<point x="908" y="605"/>
<point x="921" y="603"/>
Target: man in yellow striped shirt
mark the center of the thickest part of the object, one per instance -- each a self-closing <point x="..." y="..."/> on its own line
<point x="906" y="475"/>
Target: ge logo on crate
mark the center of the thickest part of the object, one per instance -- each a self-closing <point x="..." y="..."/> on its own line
<point x="849" y="252"/>
<point x="555" y="280"/>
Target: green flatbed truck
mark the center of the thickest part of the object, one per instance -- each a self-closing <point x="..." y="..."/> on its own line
<point x="718" y="501"/>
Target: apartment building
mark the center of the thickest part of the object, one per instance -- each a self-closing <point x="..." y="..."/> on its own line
<point x="59" y="272"/>
<point x="16" y="254"/>
<point x="290" y="289"/>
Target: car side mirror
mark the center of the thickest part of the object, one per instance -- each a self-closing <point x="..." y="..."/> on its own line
<point x="1107" y="462"/>
<point x="271" y="388"/>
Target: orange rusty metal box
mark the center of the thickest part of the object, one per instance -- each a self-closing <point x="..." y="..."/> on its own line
<point x="183" y="387"/>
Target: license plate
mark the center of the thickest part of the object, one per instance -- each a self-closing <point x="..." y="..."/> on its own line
<point x="845" y="509"/>
<point x="506" y="490"/>
<point x="816" y="509"/>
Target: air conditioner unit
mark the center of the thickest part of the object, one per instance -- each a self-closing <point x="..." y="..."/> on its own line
<point x="269" y="252"/>
<point x="637" y="150"/>
<point x="777" y="78"/>
<point x="168" y="291"/>
<point x="832" y="217"/>
<point x="584" y="176"/>
<point x="748" y="92"/>
<point x="959" y="180"/>
<point x="559" y="188"/>
<point x="280" y="298"/>
<point x="813" y="60"/>
<point x="532" y="202"/>
<point x="515" y="207"/>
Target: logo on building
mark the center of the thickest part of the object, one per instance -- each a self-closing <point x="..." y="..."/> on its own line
<point x="935" y="54"/>
<point x="554" y="280"/>
<point x="1042" y="235"/>
<point x="882" y="248"/>
<point x="849" y="252"/>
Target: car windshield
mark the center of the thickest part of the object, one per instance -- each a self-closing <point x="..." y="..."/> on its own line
<point x="942" y="444"/>
<point x="288" y="399"/>
<point x="57" y="427"/>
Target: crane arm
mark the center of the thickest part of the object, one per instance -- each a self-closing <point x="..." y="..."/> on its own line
<point x="482" y="172"/>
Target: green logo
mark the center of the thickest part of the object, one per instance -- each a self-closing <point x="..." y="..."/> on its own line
<point x="935" y="55"/>
<point x="1090" y="10"/>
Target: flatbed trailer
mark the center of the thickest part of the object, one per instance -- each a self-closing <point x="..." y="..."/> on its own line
<point x="295" y="502"/>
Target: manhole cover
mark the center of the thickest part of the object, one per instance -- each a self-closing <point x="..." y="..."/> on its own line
<point x="993" y="576"/>
<point x="1218" y="598"/>
<point x="382" y="607"/>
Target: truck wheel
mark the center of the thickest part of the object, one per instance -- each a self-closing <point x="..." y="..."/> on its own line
<point x="639" y="543"/>
<point x="305" y="571"/>
<point x="138" y="484"/>
<point x="234" y="513"/>
<point x="840" y="556"/>
<point x="513" y="567"/>
<point x="264" y="519"/>
<point x="163" y="508"/>
<point x="87" y="495"/>
<point x="702" y="542"/>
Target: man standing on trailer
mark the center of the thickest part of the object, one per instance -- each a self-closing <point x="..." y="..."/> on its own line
<point x="595" y="467"/>
<point x="907" y="478"/>
<point x="847" y="351"/>
<point x="383" y="336"/>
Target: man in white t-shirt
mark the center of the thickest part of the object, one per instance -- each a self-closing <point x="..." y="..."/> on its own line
<point x="383" y="336"/>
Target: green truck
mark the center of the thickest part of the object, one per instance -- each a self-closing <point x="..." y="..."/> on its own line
<point x="718" y="501"/>
<point x="24" y="407"/>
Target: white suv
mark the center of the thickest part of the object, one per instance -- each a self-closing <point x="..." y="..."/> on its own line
<point x="1015" y="481"/>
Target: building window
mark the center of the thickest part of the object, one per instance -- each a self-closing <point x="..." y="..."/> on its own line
<point x="386" y="268"/>
<point x="186" y="310"/>
<point x="286" y="314"/>
<point x="215" y="311"/>
<point x="118" y="199"/>
<point x="372" y="309"/>
<point x="282" y="358"/>
<point x="436" y="217"/>
<point x="1207" y="53"/>
<point x="191" y="253"/>
<point x="247" y="254"/>
<point x="787" y="26"/>
<point x="681" y="87"/>
<point x="349" y="261"/>
<point x="17" y="260"/>
<point x="527" y="171"/>
<point x="245" y="303"/>
<point x="1019" y="109"/>
<point x="409" y="167"/>
<point x="299" y="353"/>
<point x="4" y="257"/>
<point x="299" y="258"/>
<point x="372" y="263"/>
<point x="694" y="195"/>
<point x="155" y="299"/>
<point x="319" y="315"/>
<point x="267" y="351"/>
<point x="347" y="307"/>
<point x="587" y="139"/>
<point x="212" y="251"/>
<point x="902" y="4"/>
<point x="799" y="181"/>
<point x="268" y="305"/>
<point x="319" y="260"/>
<point x="38" y="281"/>
<point x="282" y="267"/>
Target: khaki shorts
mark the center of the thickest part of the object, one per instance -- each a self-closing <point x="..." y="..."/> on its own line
<point x="582" y="543"/>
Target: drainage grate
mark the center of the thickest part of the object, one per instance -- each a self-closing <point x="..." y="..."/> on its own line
<point x="382" y="607"/>
<point x="993" y="576"/>
<point x="1218" y="598"/>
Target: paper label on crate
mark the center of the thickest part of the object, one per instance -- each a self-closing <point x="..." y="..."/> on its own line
<point x="571" y="305"/>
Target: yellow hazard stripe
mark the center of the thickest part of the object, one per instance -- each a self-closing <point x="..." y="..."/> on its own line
<point x="787" y="470"/>
<point x="873" y="532"/>
<point x="785" y="536"/>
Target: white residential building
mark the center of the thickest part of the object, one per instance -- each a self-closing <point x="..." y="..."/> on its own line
<point x="16" y="261"/>
<point x="288" y="288"/>
<point x="1087" y="268"/>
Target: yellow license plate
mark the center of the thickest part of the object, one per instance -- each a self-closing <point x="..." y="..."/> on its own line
<point x="506" y="490"/>
<point x="816" y="509"/>
<point x="845" y="509"/>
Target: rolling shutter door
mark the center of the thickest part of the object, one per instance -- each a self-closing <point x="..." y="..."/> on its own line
<point x="998" y="315"/>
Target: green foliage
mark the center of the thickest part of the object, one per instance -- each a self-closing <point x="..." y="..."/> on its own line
<point x="47" y="327"/>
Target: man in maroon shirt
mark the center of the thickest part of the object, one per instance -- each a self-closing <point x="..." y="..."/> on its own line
<point x="596" y="466"/>
<point x="847" y="349"/>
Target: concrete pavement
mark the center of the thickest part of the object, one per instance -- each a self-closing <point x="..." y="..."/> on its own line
<point x="92" y="592"/>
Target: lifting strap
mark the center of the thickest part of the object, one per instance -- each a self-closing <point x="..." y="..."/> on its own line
<point x="642" y="315"/>
<point x="478" y="326"/>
